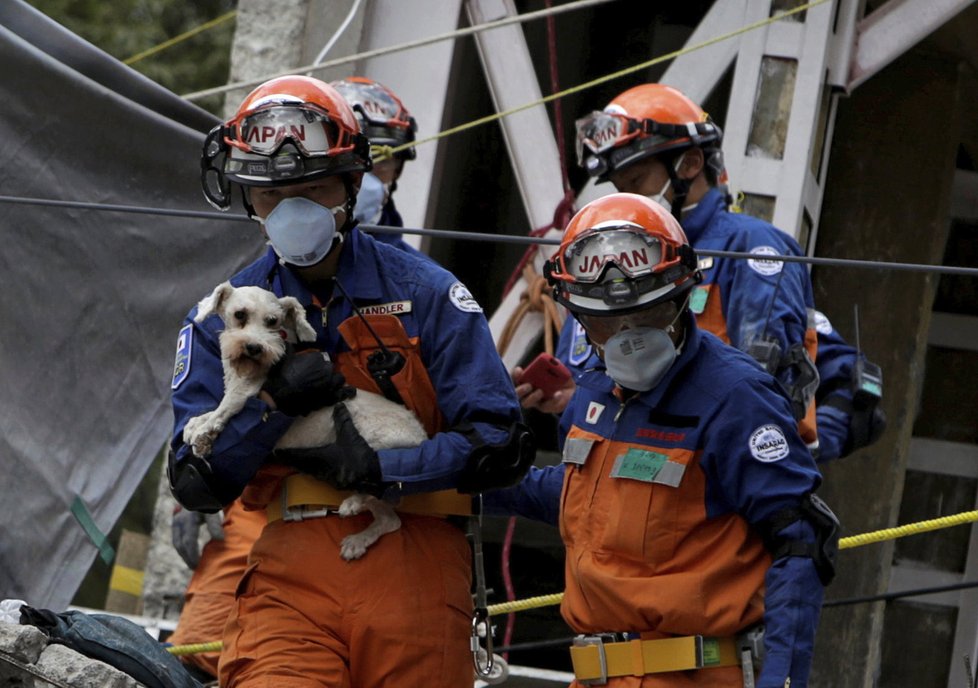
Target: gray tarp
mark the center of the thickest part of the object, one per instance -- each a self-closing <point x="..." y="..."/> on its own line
<point x="90" y="301"/>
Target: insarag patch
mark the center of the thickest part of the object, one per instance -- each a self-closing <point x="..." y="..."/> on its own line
<point x="768" y="444"/>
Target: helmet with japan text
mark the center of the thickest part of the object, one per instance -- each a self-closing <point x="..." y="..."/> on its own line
<point x="290" y="129"/>
<point x="620" y="254"/>
<point x="650" y="119"/>
<point x="383" y="118"/>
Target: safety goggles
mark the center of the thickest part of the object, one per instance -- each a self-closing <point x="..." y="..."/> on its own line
<point x="307" y="127"/>
<point x="600" y="132"/>
<point x="629" y="248"/>
<point x="376" y="105"/>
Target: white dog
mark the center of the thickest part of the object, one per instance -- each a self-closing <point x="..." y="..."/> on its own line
<point x="257" y="326"/>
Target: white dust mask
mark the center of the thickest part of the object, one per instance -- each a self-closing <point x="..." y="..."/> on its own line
<point x="301" y="231"/>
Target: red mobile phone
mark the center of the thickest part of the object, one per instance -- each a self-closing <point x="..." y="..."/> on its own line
<point x="547" y="373"/>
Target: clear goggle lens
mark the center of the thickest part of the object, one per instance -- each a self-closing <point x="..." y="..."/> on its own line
<point x="601" y="131"/>
<point x="264" y="131"/>
<point x="631" y="250"/>
<point x="375" y="103"/>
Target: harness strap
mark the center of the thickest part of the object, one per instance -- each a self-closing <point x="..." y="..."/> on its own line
<point x="300" y="490"/>
<point x="595" y="660"/>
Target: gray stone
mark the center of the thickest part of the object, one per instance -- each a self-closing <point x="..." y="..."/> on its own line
<point x="64" y="664"/>
<point x="23" y="643"/>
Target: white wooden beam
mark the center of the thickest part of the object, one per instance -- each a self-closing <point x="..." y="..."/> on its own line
<point x="893" y="29"/>
<point x="420" y="79"/>
<point x="529" y="140"/>
<point x="696" y="73"/>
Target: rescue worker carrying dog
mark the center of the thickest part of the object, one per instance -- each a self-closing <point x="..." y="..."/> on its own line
<point x="389" y="322"/>
<point x="654" y="141"/>
<point x="218" y="566"/>
<point x="686" y="497"/>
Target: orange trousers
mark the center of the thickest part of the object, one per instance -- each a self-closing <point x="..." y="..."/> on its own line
<point x="399" y="616"/>
<point x="210" y="594"/>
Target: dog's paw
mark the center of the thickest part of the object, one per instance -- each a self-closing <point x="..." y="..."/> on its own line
<point x="199" y="434"/>
<point x="355" y="546"/>
<point x="353" y="505"/>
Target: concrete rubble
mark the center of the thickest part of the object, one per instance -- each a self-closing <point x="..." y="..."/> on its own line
<point x="28" y="646"/>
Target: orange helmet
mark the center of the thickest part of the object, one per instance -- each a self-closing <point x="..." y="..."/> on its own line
<point x="621" y="253"/>
<point x="383" y="118"/>
<point x="650" y="119"/>
<point x="288" y="130"/>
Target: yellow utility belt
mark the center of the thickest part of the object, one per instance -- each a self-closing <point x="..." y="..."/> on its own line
<point x="595" y="659"/>
<point x="303" y="496"/>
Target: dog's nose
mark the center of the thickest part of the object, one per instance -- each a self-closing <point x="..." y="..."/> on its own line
<point x="253" y="349"/>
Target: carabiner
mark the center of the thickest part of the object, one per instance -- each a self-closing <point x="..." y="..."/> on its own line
<point x="480" y="617"/>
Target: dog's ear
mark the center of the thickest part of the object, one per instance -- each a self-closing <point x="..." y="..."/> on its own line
<point x="295" y="319"/>
<point x="213" y="303"/>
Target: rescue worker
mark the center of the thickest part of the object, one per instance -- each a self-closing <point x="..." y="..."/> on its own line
<point x="685" y="497"/>
<point x="387" y="321"/>
<point x="654" y="141"/>
<point x="385" y="122"/>
<point x="218" y="567"/>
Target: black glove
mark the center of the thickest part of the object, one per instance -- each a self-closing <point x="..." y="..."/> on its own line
<point x="348" y="464"/>
<point x="301" y="383"/>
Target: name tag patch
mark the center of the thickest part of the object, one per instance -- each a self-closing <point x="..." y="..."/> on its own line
<point x="393" y="308"/>
<point x="697" y="300"/>
<point x="576" y="450"/>
<point x="648" y="467"/>
<point x="181" y="366"/>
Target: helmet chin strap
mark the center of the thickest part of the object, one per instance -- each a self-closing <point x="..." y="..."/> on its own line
<point x="680" y="188"/>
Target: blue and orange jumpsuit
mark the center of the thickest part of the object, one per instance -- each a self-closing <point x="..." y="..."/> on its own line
<point x="401" y="614"/>
<point x="657" y="500"/>
<point x="740" y="301"/>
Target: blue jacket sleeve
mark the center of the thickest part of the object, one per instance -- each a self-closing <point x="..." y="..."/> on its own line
<point x="835" y="362"/>
<point x="764" y="298"/>
<point x="792" y="605"/>
<point x="537" y="497"/>
<point x="475" y="393"/>
<point x="757" y="481"/>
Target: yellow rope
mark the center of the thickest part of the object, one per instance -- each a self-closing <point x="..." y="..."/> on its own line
<point x="909" y="529"/>
<point x="182" y="37"/>
<point x="555" y="598"/>
<point x="388" y="150"/>
<point x="195" y="648"/>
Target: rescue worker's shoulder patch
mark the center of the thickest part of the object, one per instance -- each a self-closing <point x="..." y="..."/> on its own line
<point x="462" y="299"/>
<point x="181" y="366"/>
<point x="768" y="444"/>
<point x="822" y="323"/>
<point x="765" y="266"/>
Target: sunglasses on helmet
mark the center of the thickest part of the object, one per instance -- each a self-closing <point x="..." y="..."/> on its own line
<point x="307" y="127"/>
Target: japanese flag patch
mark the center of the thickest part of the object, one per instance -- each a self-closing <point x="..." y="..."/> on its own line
<point x="768" y="444"/>
<point x="181" y="366"/>
<point x="594" y="411"/>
